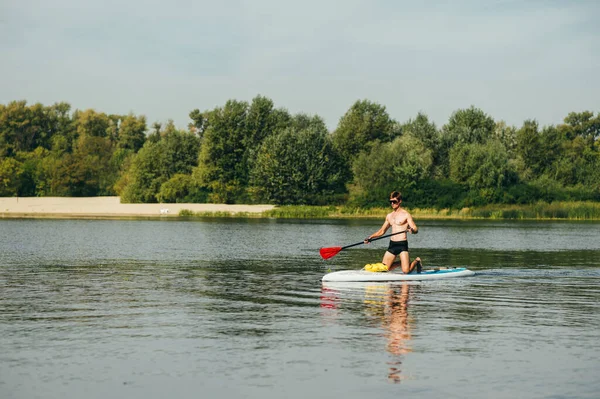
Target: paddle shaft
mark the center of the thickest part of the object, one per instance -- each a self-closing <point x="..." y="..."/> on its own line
<point x="374" y="239"/>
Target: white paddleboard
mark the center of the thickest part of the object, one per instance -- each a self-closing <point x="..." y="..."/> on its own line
<point x="363" y="275"/>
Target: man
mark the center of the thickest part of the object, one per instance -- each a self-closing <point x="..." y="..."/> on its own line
<point x="400" y="220"/>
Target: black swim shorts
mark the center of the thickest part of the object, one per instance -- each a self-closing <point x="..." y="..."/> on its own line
<point x="396" y="247"/>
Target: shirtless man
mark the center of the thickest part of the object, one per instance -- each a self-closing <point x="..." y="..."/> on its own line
<point x="400" y="220"/>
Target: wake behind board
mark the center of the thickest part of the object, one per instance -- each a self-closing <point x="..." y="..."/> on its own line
<point x="363" y="275"/>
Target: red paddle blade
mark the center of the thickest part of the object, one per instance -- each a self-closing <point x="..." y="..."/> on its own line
<point x="327" y="253"/>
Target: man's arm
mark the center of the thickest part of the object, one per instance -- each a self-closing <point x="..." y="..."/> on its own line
<point x="411" y="225"/>
<point x="380" y="232"/>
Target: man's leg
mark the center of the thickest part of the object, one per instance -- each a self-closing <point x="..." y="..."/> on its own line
<point x="416" y="263"/>
<point x="407" y="267"/>
<point x="388" y="260"/>
<point x="394" y="265"/>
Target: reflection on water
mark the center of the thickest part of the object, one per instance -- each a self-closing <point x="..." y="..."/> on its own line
<point x="390" y="302"/>
<point x="386" y="303"/>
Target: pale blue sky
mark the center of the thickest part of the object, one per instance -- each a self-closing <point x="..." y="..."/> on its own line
<point x="513" y="59"/>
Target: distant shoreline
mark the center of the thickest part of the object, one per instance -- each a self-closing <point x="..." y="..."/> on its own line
<point x="112" y="208"/>
<point x="108" y="208"/>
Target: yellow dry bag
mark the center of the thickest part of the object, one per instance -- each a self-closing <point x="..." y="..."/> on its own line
<point x="375" y="267"/>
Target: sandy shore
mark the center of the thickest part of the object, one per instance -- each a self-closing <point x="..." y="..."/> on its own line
<point x="106" y="207"/>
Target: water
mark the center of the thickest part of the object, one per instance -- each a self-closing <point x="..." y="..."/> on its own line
<point x="230" y="308"/>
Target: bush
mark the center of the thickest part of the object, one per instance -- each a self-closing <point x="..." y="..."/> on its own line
<point x="521" y="194"/>
<point x="181" y="189"/>
<point x="436" y="194"/>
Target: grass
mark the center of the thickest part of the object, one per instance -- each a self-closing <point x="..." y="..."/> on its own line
<point x="300" y="212"/>
<point x="218" y="214"/>
<point x="583" y="210"/>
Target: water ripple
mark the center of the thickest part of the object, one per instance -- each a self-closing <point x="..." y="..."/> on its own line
<point x="86" y="304"/>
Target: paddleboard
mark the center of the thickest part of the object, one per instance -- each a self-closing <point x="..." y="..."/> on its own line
<point x="363" y="275"/>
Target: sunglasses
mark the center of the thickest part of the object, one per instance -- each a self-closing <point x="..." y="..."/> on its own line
<point x="393" y="201"/>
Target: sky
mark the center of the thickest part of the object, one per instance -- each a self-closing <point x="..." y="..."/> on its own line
<point x="515" y="60"/>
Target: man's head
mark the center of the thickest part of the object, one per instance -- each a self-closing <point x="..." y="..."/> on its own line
<point x="395" y="198"/>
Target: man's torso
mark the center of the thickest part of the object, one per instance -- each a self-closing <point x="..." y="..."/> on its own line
<point x="399" y="222"/>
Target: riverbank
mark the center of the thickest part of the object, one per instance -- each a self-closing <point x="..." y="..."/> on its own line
<point x="112" y="208"/>
<point x="582" y="210"/>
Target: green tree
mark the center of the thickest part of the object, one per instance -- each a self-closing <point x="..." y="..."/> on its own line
<point x="62" y="127"/>
<point x="91" y="172"/>
<point x="530" y="151"/>
<point x="199" y="122"/>
<point x="23" y="128"/>
<point x="298" y="167"/>
<point x="30" y="182"/>
<point x="553" y="143"/>
<point x="132" y="132"/>
<point x="507" y="135"/>
<point x="142" y="181"/>
<point x="179" y="152"/>
<point x="399" y="165"/>
<point x="175" y="152"/>
<point x="91" y="123"/>
<point x="303" y="121"/>
<point x="222" y="161"/>
<point x="363" y="125"/>
<point x="583" y="124"/>
<point x="53" y="176"/>
<point x="576" y="164"/>
<point x="180" y="188"/>
<point x="426" y="132"/>
<point x="577" y="160"/>
<point x="465" y="126"/>
<point x="10" y="174"/>
<point x="483" y="168"/>
<point x="261" y="121"/>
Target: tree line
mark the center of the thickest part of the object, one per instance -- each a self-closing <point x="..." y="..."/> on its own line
<point x="253" y="152"/>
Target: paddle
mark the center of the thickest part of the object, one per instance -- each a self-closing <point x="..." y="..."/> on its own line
<point x="330" y="252"/>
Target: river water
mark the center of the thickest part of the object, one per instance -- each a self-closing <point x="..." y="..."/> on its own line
<point x="236" y="309"/>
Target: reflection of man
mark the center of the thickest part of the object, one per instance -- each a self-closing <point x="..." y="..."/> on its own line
<point x="397" y="322"/>
<point x="391" y="304"/>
